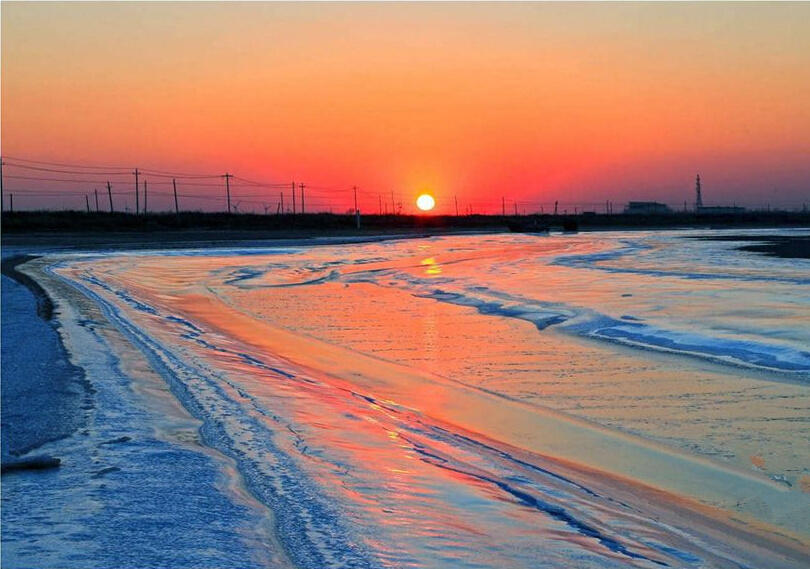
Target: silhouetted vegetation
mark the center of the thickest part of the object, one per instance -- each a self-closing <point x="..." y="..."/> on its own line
<point x="314" y="223"/>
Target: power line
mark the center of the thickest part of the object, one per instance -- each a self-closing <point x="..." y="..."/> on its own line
<point x="38" y="179"/>
<point x="65" y="178"/>
<point x="61" y="171"/>
<point x="161" y="174"/>
<point x="262" y="184"/>
<point x="81" y="170"/>
<point x="53" y="193"/>
<point x="28" y="160"/>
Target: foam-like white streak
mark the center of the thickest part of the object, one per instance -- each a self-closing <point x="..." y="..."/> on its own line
<point x="739" y="352"/>
<point x="310" y="526"/>
<point x="587" y="322"/>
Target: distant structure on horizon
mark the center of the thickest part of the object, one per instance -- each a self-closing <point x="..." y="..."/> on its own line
<point x="700" y="208"/>
<point x="646" y="208"/>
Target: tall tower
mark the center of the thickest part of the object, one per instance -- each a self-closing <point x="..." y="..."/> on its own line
<point x="698" y="196"/>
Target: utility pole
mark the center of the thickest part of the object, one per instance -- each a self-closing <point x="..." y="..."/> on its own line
<point x="176" y="205"/>
<point x="137" y="191"/>
<point x="516" y="209"/>
<point x="503" y="207"/>
<point x="109" y="195"/>
<point x="2" y="200"/>
<point x="555" y="207"/>
<point x="393" y="207"/>
<point x="228" y="189"/>
<point x="302" y="198"/>
<point x="11" y="202"/>
<point x="281" y="202"/>
<point x="87" y="202"/>
<point x="95" y="191"/>
<point x="455" y="199"/>
<point x="145" y="198"/>
<point x="293" y="194"/>
<point x="379" y="198"/>
<point x="356" y="211"/>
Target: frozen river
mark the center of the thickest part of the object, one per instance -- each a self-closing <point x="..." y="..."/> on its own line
<point x="592" y="400"/>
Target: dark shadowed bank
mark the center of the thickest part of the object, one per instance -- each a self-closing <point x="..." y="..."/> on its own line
<point x="44" y="305"/>
<point x="784" y="246"/>
<point x="44" y="396"/>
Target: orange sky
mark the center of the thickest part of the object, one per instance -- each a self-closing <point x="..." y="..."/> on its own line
<point x="533" y="102"/>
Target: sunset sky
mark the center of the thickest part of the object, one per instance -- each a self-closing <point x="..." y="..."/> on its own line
<point x="531" y="102"/>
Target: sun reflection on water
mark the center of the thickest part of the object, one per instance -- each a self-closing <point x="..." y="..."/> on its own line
<point x="432" y="267"/>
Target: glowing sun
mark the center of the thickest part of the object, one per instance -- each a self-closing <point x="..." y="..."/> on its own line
<point x="425" y="202"/>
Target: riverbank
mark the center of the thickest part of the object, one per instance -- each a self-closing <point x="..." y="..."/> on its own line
<point x="134" y="473"/>
<point x="45" y="397"/>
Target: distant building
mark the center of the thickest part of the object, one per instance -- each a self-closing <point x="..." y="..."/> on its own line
<point x="646" y="208"/>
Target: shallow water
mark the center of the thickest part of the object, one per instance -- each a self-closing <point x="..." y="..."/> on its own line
<point x="433" y="402"/>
